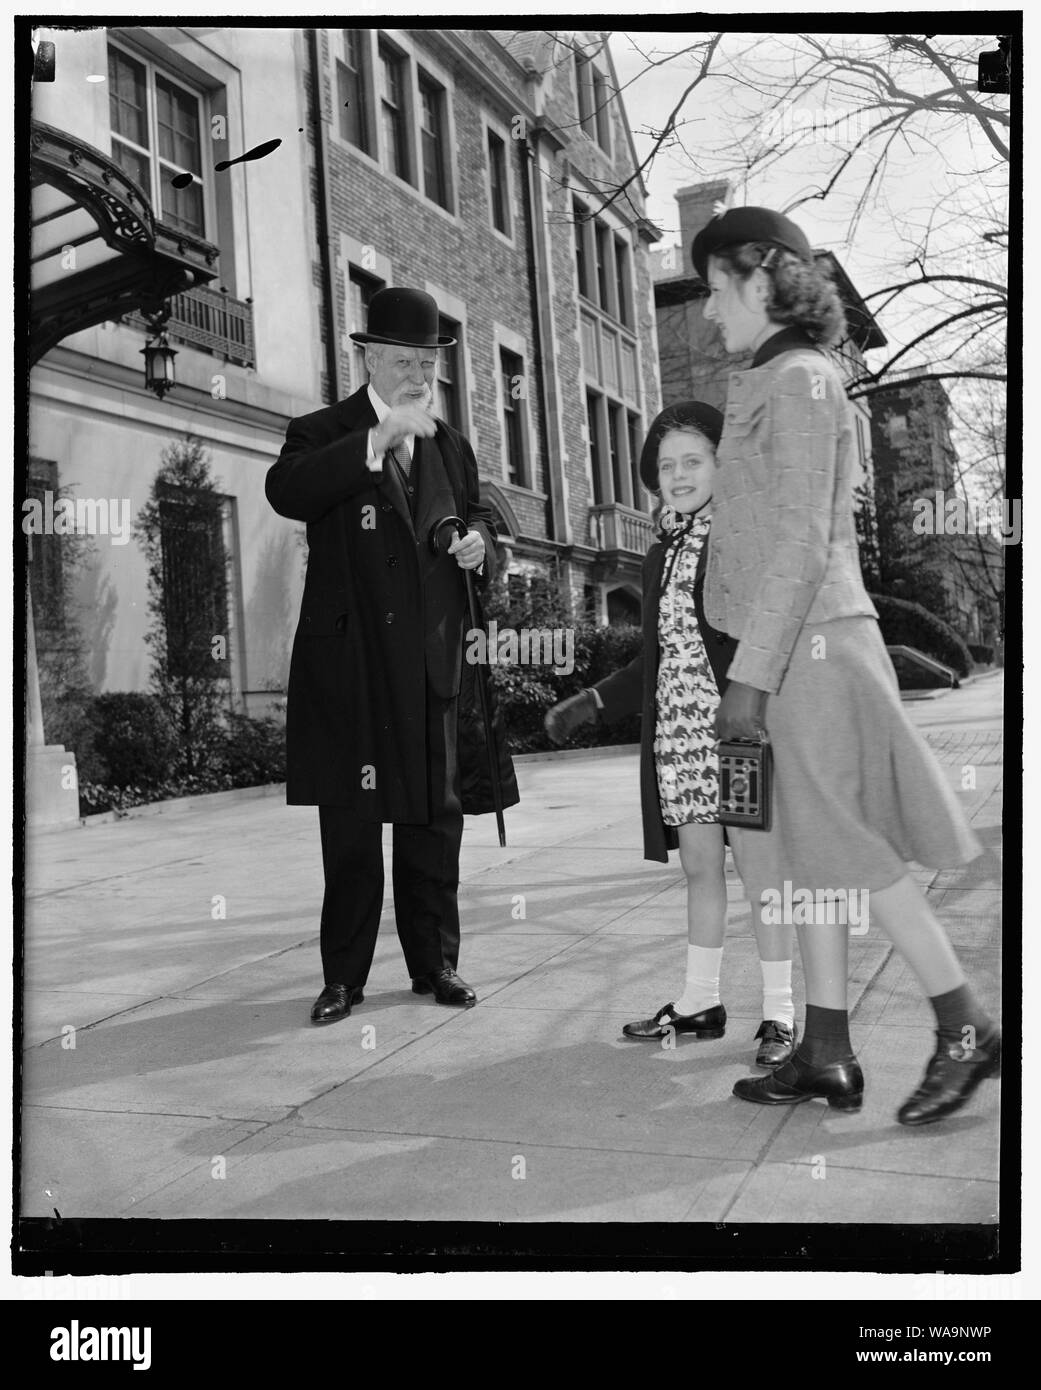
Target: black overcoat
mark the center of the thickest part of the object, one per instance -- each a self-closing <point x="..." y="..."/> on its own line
<point x="633" y="690"/>
<point x="381" y="616"/>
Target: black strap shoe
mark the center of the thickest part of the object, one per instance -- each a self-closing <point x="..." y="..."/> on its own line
<point x="335" y="1002"/>
<point x="841" y="1084"/>
<point x="952" y="1075"/>
<point x="709" y="1023"/>
<point x="778" y="1042"/>
<point x="446" y="987"/>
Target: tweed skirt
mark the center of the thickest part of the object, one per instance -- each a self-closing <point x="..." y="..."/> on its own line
<point x="857" y="793"/>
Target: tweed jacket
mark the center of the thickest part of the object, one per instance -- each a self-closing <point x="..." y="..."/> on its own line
<point x="783" y="547"/>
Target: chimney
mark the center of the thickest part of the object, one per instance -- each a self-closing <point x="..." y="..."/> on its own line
<point x="697" y="208"/>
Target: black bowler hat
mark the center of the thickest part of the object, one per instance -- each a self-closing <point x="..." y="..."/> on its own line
<point x="403" y="318"/>
<point x="684" y="413"/>
<point x="748" y="224"/>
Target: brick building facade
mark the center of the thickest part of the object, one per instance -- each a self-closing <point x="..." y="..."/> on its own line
<point x="473" y="164"/>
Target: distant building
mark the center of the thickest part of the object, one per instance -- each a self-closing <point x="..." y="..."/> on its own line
<point x="916" y="463"/>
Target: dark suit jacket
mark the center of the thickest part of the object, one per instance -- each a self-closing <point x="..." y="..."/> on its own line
<point x="381" y="617"/>
<point x="634" y="689"/>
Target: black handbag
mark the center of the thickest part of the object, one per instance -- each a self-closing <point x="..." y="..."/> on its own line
<point x="745" y="782"/>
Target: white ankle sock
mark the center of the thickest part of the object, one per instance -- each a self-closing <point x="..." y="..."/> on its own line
<point x="777" y="991"/>
<point x="702" y="987"/>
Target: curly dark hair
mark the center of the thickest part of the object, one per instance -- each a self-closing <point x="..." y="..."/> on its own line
<point x="803" y="294"/>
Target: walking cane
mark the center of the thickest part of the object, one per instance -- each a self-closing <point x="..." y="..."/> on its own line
<point x="460" y="527"/>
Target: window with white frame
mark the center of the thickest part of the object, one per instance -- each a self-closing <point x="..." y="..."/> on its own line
<point x="450" y="373"/>
<point x="394" y="112"/>
<point x="353" y="83"/>
<point x="603" y="267"/>
<point x="514" y="417"/>
<point x="360" y="289"/>
<point x="395" y="108"/>
<point x="158" y="129"/>
<point x="594" y="96"/>
<point x="433" y="135"/>
<point x="498" y="183"/>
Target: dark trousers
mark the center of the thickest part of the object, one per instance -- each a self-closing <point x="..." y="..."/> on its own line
<point x="425" y="871"/>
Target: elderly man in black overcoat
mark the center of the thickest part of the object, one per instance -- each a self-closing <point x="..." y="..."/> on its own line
<point x="372" y="715"/>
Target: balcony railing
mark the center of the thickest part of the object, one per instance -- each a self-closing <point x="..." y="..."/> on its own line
<point x="615" y="527"/>
<point x="215" y="322"/>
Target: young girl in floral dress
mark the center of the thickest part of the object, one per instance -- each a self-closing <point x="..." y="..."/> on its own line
<point x="676" y="684"/>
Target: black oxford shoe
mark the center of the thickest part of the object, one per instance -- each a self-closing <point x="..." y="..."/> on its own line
<point x="952" y="1075"/>
<point x="778" y="1042"/>
<point x="335" y="1002"/>
<point x="841" y="1084"/>
<point x="709" y="1023"/>
<point x="446" y="987"/>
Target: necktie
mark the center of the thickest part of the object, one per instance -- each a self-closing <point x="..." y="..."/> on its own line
<point x="404" y="466"/>
<point x="402" y="459"/>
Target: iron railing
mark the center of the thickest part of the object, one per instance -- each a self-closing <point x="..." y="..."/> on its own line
<point x="215" y="322"/>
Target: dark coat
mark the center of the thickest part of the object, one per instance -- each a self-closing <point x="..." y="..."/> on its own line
<point x="381" y="618"/>
<point x="633" y="690"/>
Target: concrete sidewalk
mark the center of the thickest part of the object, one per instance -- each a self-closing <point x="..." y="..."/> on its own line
<point x="170" y="1068"/>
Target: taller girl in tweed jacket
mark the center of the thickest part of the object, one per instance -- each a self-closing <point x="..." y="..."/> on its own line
<point x="858" y="795"/>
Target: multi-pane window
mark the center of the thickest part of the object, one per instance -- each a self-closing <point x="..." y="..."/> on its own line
<point x="578" y="214"/>
<point x="512" y="370"/>
<point x="355" y="116"/>
<point x="614" y="444"/>
<point x="498" y="181"/>
<point x="603" y="263"/>
<point x="195" y="575"/>
<point x="157" y="133"/>
<point x="596" y="445"/>
<point x="360" y="289"/>
<point x="632" y="426"/>
<point x="394" y="112"/>
<point x="602" y="244"/>
<point x="593" y="102"/>
<point x="449" y="385"/>
<point x="623" y="282"/>
<point x="602" y="112"/>
<point x="397" y="112"/>
<point x="584" y="87"/>
<point x="432" y="134"/>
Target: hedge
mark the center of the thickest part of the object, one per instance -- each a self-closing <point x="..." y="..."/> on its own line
<point x="909" y="624"/>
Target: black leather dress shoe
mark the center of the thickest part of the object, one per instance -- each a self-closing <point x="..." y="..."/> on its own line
<point x="778" y="1042"/>
<point x="952" y="1075"/>
<point x="841" y="1084"/>
<point x="335" y="1002"/>
<point x="709" y="1023"/>
<point x="446" y="987"/>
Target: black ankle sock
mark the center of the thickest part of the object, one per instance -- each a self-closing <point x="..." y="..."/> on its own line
<point x="957" y="1010"/>
<point x="826" y="1038"/>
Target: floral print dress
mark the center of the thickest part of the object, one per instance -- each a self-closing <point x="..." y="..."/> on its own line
<point x="687" y="697"/>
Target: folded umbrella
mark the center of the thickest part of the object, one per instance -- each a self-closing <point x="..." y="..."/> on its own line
<point x="438" y="546"/>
